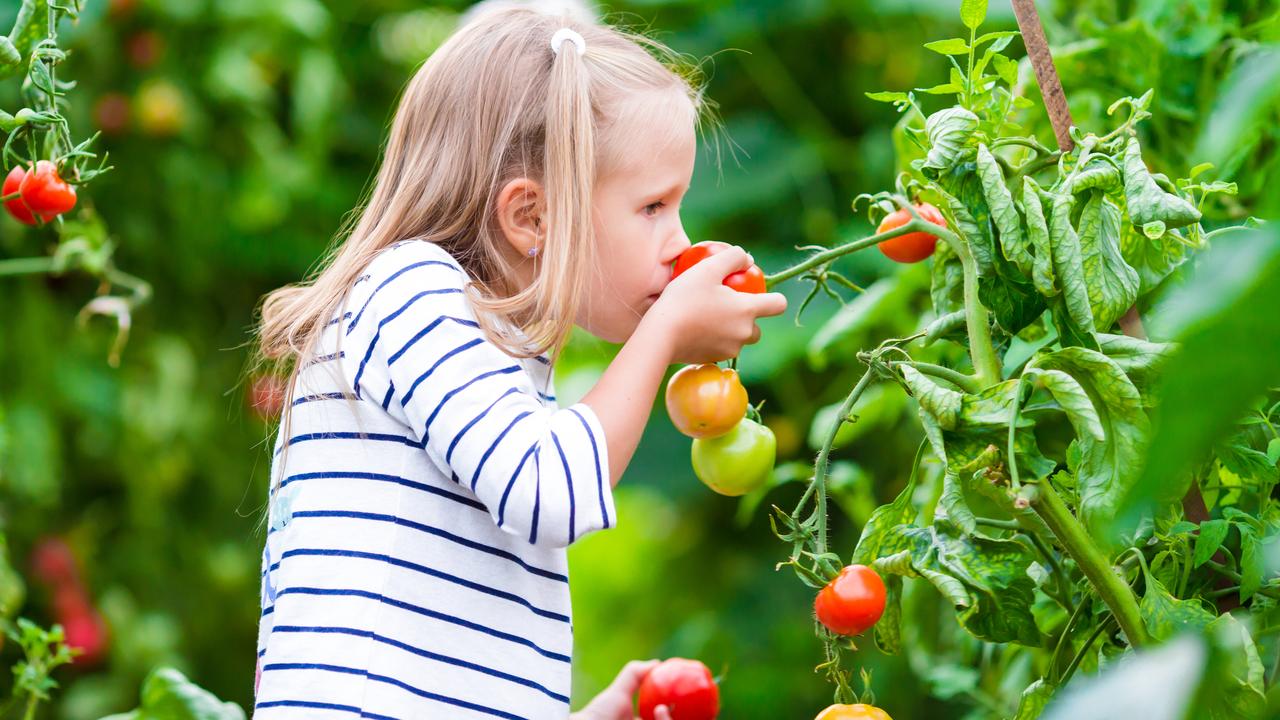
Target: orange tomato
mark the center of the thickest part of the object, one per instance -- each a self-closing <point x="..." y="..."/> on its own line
<point x="705" y="400"/>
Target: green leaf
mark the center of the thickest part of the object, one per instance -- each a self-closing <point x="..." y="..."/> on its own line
<point x="942" y="403"/>
<point x="1166" y="616"/>
<point x="985" y="578"/>
<point x="952" y="46"/>
<point x="1252" y="562"/>
<point x="1042" y="274"/>
<point x="1098" y="172"/>
<point x="1223" y="322"/>
<point x="888" y="630"/>
<point x="946" y="288"/>
<point x="1212" y="533"/>
<point x="1005" y="35"/>
<point x="1076" y="312"/>
<point x="888" y="97"/>
<point x="1238" y="669"/>
<point x="1273" y="451"/>
<point x="168" y="695"/>
<point x="1007" y="69"/>
<point x="973" y="12"/>
<point x="944" y="89"/>
<point x="1107" y="468"/>
<point x="880" y="535"/>
<point x="1073" y="399"/>
<point x="1111" y="284"/>
<point x="1034" y="700"/>
<point x="1141" y="360"/>
<point x="1146" y="201"/>
<point x="949" y="131"/>
<point x="1013" y="241"/>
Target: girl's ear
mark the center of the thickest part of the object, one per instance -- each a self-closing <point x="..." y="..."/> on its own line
<point x="520" y="215"/>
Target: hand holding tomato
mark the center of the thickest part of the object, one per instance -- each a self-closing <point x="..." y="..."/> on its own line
<point x="685" y="687"/>
<point x="616" y="701"/>
<point x="702" y="320"/>
<point x="750" y="280"/>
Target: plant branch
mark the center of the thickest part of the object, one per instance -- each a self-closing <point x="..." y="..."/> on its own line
<point x="1111" y="588"/>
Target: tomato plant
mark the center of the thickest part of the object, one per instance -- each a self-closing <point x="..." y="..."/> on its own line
<point x="750" y="280"/>
<point x="852" y="602"/>
<point x="1040" y="528"/>
<point x="914" y="246"/>
<point x="738" y="461"/>
<point x="45" y="192"/>
<point x="705" y="400"/>
<point x="685" y="686"/>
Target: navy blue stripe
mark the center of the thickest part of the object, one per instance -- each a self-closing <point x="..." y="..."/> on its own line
<point x="262" y="652"/>
<point x="469" y="344"/>
<point x="324" y="396"/>
<point x="493" y="446"/>
<point x="449" y="395"/>
<point x="595" y="451"/>
<point x="568" y="477"/>
<point x="426" y="654"/>
<point x="380" y="437"/>
<point x="436" y="615"/>
<point x="326" y="358"/>
<point x="345" y="316"/>
<point x="398" y="683"/>
<point x="502" y="506"/>
<point x="386" y="400"/>
<point x="439" y="574"/>
<point x="322" y="706"/>
<point x="423" y="332"/>
<point x="386" y="478"/>
<point x="537" y="498"/>
<point x="448" y="456"/>
<point x="544" y="396"/>
<point x="383" y="322"/>
<point x="395" y="275"/>
<point x="268" y="611"/>
<point x="496" y="552"/>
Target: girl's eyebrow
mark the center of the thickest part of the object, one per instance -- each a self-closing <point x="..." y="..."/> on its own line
<point x="669" y="190"/>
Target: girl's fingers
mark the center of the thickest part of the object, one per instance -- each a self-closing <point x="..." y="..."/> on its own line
<point x="632" y="673"/>
<point x="768" y="304"/>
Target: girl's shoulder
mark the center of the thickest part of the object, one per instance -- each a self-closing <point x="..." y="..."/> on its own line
<point x="411" y="254"/>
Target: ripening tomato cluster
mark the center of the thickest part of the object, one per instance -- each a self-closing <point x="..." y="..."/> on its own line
<point x="914" y="246"/>
<point x="732" y="454"/>
<point x="37" y="191"/>
<point x="54" y="566"/>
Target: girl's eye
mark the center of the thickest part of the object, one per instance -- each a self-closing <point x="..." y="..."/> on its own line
<point x="652" y="208"/>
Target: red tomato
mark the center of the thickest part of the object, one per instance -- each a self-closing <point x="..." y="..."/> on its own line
<point x="853" y="712"/>
<point x="84" y="627"/>
<point x="686" y="687"/>
<point x="851" y="603"/>
<point x="45" y="192"/>
<point x="750" y="280"/>
<point x="915" y="246"/>
<point x="15" y="206"/>
<point x="266" y="395"/>
<point x="705" y="400"/>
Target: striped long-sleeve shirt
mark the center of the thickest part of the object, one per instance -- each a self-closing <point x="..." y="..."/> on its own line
<point x="415" y="563"/>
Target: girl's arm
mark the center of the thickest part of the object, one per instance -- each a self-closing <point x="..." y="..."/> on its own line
<point x="697" y="319"/>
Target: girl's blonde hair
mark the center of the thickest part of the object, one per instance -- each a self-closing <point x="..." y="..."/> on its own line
<point x="493" y="103"/>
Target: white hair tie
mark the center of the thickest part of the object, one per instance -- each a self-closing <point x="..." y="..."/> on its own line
<point x="572" y="36"/>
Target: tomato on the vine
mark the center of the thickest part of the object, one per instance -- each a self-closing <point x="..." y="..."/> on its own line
<point x="852" y="602"/>
<point x="705" y="400"/>
<point x="686" y="687"/>
<point x="859" y="711"/>
<point x="15" y="206"/>
<point x="45" y="192"/>
<point x="737" y="462"/>
<point x="750" y="280"/>
<point x="914" y="246"/>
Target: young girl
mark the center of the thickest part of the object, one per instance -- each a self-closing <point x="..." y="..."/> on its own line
<point x="425" y="483"/>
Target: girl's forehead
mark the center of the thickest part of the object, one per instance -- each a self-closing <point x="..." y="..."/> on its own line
<point x="653" y="133"/>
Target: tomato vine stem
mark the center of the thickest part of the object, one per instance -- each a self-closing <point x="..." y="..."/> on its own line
<point x="1071" y="534"/>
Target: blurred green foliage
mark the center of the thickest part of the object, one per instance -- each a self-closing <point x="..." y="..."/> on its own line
<point x="242" y="132"/>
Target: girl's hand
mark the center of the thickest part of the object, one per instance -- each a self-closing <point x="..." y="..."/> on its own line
<point x="702" y="320"/>
<point x="615" y="703"/>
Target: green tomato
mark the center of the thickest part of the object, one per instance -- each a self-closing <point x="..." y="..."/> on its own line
<point x="737" y="462"/>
